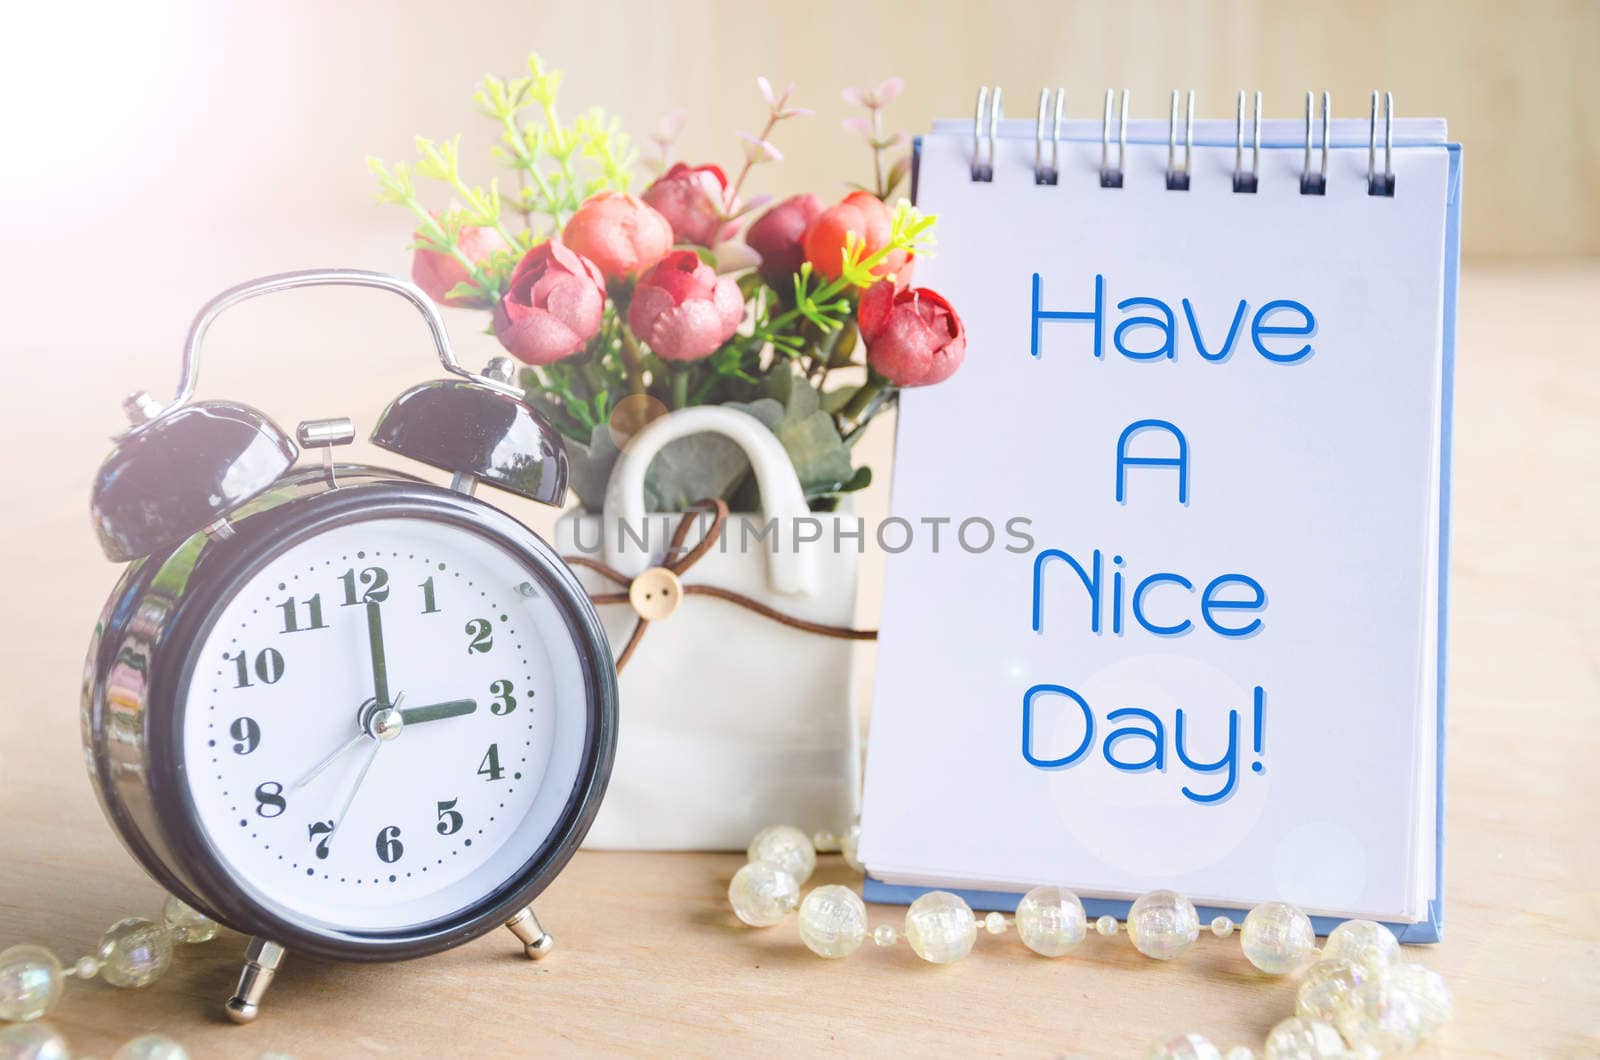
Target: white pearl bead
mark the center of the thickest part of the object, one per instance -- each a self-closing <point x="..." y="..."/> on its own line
<point x="151" y="1047"/>
<point x="1240" y="1052"/>
<point x="762" y="894"/>
<point x="1051" y="921"/>
<point x="30" y="982"/>
<point x="1395" y="1009"/>
<point x="824" y="842"/>
<point x="1106" y="925"/>
<point x="1327" y="988"/>
<point x="33" y="1041"/>
<point x="1221" y="926"/>
<point x="995" y="923"/>
<point x="786" y="847"/>
<point x="1276" y="937"/>
<point x="849" y="846"/>
<point x="1302" y="1039"/>
<point x="136" y="952"/>
<point x="1428" y="991"/>
<point x="1365" y="942"/>
<point x="1183" y="1047"/>
<point x="86" y="967"/>
<point x="1162" y="924"/>
<point x="941" y="927"/>
<point x="187" y="924"/>
<point x="833" y="921"/>
<point x="885" y="935"/>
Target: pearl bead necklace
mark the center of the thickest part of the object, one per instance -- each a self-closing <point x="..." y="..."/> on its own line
<point x="133" y="952"/>
<point x="1357" y="991"/>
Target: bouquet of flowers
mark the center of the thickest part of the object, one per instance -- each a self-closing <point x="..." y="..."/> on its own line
<point x="623" y="307"/>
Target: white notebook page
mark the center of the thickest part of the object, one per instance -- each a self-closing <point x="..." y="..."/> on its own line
<point x="1316" y="478"/>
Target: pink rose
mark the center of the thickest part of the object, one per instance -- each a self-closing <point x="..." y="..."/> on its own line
<point x="553" y="306"/>
<point x="913" y="337"/>
<point x="683" y="309"/>
<point x="779" y="237"/>
<point x="691" y="199"/>
<point x="438" y="274"/>
<point x="619" y="233"/>
<point x="863" y="215"/>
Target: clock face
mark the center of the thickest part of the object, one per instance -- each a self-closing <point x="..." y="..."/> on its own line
<point x="384" y="724"/>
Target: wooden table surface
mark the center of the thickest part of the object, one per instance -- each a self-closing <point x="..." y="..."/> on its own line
<point x="649" y="958"/>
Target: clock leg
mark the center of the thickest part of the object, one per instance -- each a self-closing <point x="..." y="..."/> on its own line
<point x="536" y="942"/>
<point x="261" y="960"/>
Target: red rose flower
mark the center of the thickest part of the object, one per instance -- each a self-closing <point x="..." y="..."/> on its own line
<point x="619" y="233"/>
<point x="553" y="306"/>
<point x="683" y="309"/>
<point x="691" y="199"/>
<point x="864" y="214"/>
<point x="779" y="237"/>
<point x="438" y="274"/>
<point x="913" y="337"/>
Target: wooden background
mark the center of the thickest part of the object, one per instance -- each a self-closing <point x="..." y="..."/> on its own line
<point x="155" y="154"/>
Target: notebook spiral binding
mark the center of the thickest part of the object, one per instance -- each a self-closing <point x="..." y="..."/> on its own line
<point x="1052" y="106"/>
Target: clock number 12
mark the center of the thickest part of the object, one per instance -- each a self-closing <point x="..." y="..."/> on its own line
<point x="376" y="581"/>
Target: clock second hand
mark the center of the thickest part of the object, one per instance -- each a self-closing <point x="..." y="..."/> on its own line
<point x="371" y="726"/>
<point x="349" y="799"/>
<point x="362" y="720"/>
<point x="318" y="769"/>
<point x="453" y="708"/>
<point x="383" y="726"/>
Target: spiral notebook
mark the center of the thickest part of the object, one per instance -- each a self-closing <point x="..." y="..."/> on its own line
<point x="1175" y="616"/>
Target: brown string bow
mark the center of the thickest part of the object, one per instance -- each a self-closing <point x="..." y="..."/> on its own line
<point x="677" y="563"/>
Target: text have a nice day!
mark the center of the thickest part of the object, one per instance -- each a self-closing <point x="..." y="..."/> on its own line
<point x="1279" y="331"/>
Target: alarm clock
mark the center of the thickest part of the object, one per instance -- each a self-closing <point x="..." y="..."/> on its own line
<point x="338" y="708"/>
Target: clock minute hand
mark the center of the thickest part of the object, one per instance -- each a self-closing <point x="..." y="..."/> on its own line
<point x="380" y="671"/>
<point x="454" y="708"/>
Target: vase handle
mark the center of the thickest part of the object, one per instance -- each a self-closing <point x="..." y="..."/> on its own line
<point x="790" y="569"/>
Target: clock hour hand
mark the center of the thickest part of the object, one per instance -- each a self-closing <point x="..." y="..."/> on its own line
<point x="454" y="708"/>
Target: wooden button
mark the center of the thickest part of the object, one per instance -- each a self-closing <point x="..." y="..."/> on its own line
<point x="655" y="594"/>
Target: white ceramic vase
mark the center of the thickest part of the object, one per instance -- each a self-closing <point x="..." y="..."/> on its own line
<point x="730" y="721"/>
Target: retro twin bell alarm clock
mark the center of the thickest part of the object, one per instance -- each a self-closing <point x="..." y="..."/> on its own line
<point x="337" y="708"/>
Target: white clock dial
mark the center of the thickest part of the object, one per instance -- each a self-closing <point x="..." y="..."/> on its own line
<point x="384" y="724"/>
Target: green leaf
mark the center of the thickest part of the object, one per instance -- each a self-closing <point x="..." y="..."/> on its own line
<point x="702" y="465"/>
<point x="820" y="457"/>
<point x="589" y="467"/>
<point x="898" y="172"/>
<point x="859" y="481"/>
<point x="466" y="290"/>
<point x="837" y="398"/>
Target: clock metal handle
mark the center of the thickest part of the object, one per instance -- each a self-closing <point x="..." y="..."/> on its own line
<point x="286" y="281"/>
